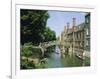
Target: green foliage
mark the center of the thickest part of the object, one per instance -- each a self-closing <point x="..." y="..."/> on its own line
<point x="33" y="31"/>
<point x="49" y="34"/>
<point x="26" y="50"/>
<point x="33" y="23"/>
<point x="33" y="26"/>
<point x="27" y="64"/>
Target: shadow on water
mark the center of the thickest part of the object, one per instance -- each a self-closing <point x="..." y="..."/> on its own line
<point x="57" y="60"/>
<point x="71" y="61"/>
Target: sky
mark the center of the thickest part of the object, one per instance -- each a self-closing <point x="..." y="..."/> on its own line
<point x="59" y="19"/>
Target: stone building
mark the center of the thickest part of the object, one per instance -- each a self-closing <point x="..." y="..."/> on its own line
<point x="63" y="39"/>
<point x="87" y="35"/>
<point x="76" y="40"/>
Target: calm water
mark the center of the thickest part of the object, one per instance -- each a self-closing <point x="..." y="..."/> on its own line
<point x="56" y="60"/>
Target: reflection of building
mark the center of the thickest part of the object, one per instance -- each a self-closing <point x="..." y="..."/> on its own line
<point x="76" y="40"/>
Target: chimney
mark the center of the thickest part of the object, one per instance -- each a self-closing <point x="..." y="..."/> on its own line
<point x="74" y="23"/>
<point x="67" y="26"/>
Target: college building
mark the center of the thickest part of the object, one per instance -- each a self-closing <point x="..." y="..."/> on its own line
<point x="76" y="40"/>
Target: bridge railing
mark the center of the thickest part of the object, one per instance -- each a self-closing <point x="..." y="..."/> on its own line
<point x="47" y="44"/>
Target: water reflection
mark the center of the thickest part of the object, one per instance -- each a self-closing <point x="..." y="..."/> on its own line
<point x="56" y="60"/>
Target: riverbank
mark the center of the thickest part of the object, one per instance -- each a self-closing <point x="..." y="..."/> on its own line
<point x="53" y="58"/>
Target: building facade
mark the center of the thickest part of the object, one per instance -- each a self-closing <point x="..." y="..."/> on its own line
<point x="76" y="40"/>
<point x="87" y="35"/>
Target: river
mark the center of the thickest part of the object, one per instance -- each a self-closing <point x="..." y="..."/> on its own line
<point x="58" y="60"/>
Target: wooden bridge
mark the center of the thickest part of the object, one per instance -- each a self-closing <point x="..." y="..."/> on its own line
<point x="44" y="45"/>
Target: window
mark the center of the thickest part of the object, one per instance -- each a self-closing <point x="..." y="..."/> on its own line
<point x="87" y="20"/>
<point x="87" y="31"/>
<point x="87" y="43"/>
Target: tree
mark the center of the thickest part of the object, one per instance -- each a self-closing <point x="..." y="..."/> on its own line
<point x="33" y="24"/>
<point x="49" y="34"/>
